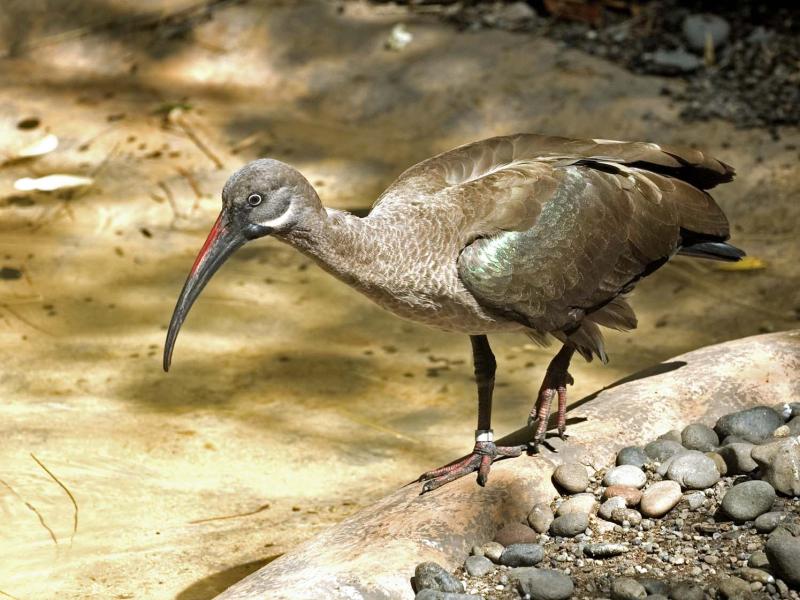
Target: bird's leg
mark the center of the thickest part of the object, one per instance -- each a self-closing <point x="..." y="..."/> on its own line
<point x="555" y="383"/>
<point x="485" y="451"/>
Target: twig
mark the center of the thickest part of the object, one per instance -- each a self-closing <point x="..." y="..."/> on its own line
<point x="66" y="490"/>
<point x="235" y="516"/>
<point x="176" y="214"/>
<point x="176" y="116"/>
<point x="22" y="319"/>
<point x="9" y="595"/>
<point x="32" y="508"/>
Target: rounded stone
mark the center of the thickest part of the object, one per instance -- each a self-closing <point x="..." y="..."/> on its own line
<point x="515" y="533"/>
<point x="522" y="555"/>
<point x="685" y="590"/>
<point x="758" y="560"/>
<point x="632" y="455"/>
<point x="699" y="437"/>
<point x="625" y="588"/>
<point x="660" y="498"/>
<point x="695" y="500"/>
<point x="654" y="587"/>
<point x="492" y="551"/>
<point x="661" y="450"/>
<point x="746" y="501"/>
<point x="673" y="435"/>
<point x="693" y="470"/>
<point x="478" y="566"/>
<point x="768" y="521"/>
<point x="622" y="515"/>
<point x="780" y="464"/>
<point x="783" y="553"/>
<point x="543" y="584"/>
<point x="630" y="494"/>
<point x="737" y="458"/>
<point x="540" y="517"/>
<point x="580" y="503"/>
<point x="626" y="475"/>
<point x="569" y="525"/>
<point x="608" y="507"/>
<point x="733" y="588"/>
<point x="432" y="576"/>
<point x="701" y="27"/>
<point x="571" y="477"/>
<point x="722" y="467"/>
<point x="753" y="425"/>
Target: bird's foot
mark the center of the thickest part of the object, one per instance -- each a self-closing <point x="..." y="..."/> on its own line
<point x="481" y="459"/>
<point x="554" y="384"/>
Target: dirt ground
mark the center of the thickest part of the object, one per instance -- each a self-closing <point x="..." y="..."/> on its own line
<point x="292" y="401"/>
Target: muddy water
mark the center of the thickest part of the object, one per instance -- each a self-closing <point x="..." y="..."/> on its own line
<point x="292" y="401"/>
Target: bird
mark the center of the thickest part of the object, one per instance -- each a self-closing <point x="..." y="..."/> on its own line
<point x="540" y="235"/>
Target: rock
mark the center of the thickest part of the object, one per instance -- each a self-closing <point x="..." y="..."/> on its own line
<point x="783" y="409"/>
<point x="737" y="458"/>
<point x="515" y="16"/>
<point x="746" y="501"/>
<point x="542" y="584"/>
<point x="492" y="551"/>
<point x="660" y="498"/>
<point x="782" y="432"/>
<point x="695" y="500"/>
<point x="654" y="587"/>
<point x="672" y="62"/>
<point x="722" y="467"/>
<point x="478" y="566"/>
<point x="758" y="560"/>
<point x="629" y="515"/>
<point x="437" y="595"/>
<point x="673" y="435"/>
<point x="571" y="477"/>
<point x="786" y="529"/>
<point x="522" y="555"/>
<point x="663" y="467"/>
<point x="793" y="426"/>
<point x="768" y="521"/>
<point x="610" y="505"/>
<point x="625" y="588"/>
<point x="626" y="475"/>
<point x="476" y="551"/>
<point x="604" y="550"/>
<point x="795" y="407"/>
<point x="429" y="575"/>
<point x="693" y="470"/>
<point x="733" y="588"/>
<point x="579" y="503"/>
<point x="685" y="590"/>
<point x="733" y="439"/>
<point x="569" y="525"/>
<point x="699" y="437"/>
<point x="780" y="464"/>
<point x="698" y="28"/>
<point x="631" y="495"/>
<point x="784" y="557"/>
<point x="632" y="455"/>
<point x="754" y="424"/>
<point x="516" y="533"/>
<point x="750" y="574"/>
<point x="540" y="517"/>
<point x="661" y="450"/>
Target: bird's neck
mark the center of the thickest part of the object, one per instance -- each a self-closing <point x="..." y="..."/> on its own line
<point x="341" y="243"/>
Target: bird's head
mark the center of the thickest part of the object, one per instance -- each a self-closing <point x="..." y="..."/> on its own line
<point x="264" y="197"/>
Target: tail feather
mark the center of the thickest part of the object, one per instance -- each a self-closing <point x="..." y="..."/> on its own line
<point x="713" y="251"/>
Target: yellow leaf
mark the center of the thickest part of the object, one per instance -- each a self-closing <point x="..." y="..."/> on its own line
<point x="748" y="263"/>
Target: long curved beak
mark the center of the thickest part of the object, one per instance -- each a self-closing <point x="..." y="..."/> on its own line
<point x="222" y="241"/>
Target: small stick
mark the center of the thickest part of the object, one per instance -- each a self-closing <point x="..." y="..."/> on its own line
<point x="71" y="497"/>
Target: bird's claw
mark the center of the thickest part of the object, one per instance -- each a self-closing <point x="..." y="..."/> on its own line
<point x="480" y="459"/>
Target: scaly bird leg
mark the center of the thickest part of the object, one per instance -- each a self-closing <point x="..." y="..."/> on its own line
<point x="485" y="451"/>
<point x="555" y="383"/>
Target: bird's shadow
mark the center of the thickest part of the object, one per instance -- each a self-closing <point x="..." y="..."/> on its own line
<point x="213" y="585"/>
<point x="523" y="435"/>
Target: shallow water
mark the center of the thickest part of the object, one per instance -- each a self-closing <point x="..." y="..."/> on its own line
<point x="292" y="400"/>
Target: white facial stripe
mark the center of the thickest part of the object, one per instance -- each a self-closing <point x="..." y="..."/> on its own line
<point x="280" y="221"/>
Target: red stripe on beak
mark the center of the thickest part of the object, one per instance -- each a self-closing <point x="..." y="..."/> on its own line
<point x="216" y="231"/>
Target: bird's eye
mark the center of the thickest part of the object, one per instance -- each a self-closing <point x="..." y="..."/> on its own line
<point x="254" y="199"/>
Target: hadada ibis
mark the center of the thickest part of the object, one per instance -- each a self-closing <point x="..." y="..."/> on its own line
<point x="539" y="235"/>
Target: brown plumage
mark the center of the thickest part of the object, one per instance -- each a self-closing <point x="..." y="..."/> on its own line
<point x="541" y="235"/>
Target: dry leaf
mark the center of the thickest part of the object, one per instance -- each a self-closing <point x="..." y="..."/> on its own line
<point x="50" y="183"/>
<point x="748" y="263"/>
<point x="47" y="144"/>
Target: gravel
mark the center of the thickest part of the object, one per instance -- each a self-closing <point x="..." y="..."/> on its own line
<point x="748" y="500"/>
